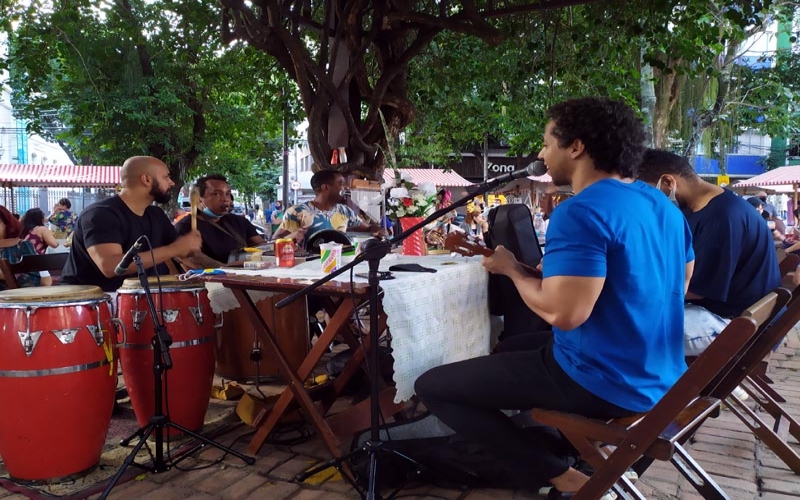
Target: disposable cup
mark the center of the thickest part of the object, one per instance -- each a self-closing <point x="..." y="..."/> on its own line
<point x="330" y="256"/>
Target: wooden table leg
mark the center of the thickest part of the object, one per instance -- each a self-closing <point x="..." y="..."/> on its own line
<point x="295" y="387"/>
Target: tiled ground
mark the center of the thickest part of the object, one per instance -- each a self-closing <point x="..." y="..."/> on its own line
<point x="723" y="446"/>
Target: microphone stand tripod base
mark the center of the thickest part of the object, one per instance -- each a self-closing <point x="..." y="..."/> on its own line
<point x="162" y="361"/>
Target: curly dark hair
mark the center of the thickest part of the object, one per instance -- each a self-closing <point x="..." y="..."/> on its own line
<point x="323" y="178"/>
<point x="65" y="202"/>
<point x="657" y="162"/>
<point x="610" y="130"/>
<point x="202" y="182"/>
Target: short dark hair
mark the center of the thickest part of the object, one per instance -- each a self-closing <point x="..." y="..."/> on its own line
<point x="65" y="202"/>
<point x="323" y="178"/>
<point x="657" y="162"/>
<point x="610" y="130"/>
<point x="202" y="182"/>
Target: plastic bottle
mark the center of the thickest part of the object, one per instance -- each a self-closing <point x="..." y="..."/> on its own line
<point x="538" y="225"/>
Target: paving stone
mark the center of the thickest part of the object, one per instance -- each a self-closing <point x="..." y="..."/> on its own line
<point x="242" y="488"/>
<point x="288" y="470"/>
<point x="219" y="480"/>
<point x="274" y="490"/>
<point x="132" y="489"/>
<point x="307" y="494"/>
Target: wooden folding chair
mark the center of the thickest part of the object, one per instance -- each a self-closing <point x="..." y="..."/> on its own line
<point x="53" y="262"/>
<point x="788" y="263"/>
<point x="658" y="433"/>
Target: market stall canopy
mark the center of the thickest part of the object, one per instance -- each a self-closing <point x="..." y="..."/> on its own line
<point x="775" y="180"/>
<point x="437" y="176"/>
<point x="59" y="175"/>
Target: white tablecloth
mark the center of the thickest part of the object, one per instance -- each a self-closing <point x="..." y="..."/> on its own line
<point x="434" y="318"/>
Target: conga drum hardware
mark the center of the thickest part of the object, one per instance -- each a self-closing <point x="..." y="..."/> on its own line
<point x="64" y="380"/>
<point x="169" y="315"/>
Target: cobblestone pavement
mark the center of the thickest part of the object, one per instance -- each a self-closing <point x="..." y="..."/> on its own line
<point x="744" y="467"/>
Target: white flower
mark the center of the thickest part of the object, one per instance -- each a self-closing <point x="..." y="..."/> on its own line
<point x="405" y="176"/>
<point x="399" y="192"/>
<point x="428" y="188"/>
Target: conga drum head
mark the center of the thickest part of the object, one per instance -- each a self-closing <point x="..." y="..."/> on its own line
<point x="132" y="285"/>
<point x="326" y="236"/>
<point x="61" y="293"/>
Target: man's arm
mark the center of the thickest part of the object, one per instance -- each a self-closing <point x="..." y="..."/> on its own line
<point x="199" y="260"/>
<point x="106" y="256"/>
<point x="563" y="301"/>
<point x="689" y="272"/>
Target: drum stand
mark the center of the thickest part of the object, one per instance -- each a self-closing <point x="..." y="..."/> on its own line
<point x="162" y="361"/>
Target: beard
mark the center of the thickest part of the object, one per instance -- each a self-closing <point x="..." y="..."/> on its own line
<point x="160" y="195"/>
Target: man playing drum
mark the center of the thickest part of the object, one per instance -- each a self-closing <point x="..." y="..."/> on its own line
<point x="108" y="228"/>
<point x="223" y="232"/>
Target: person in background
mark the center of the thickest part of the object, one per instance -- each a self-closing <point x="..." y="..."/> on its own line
<point x="736" y="259"/>
<point x="223" y="232"/>
<point x="326" y="211"/>
<point x="477" y="223"/>
<point x="13" y="249"/>
<point x="178" y="213"/>
<point x="769" y="207"/>
<point x="35" y="231"/>
<point x="63" y="218"/>
<point x="276" y="217"/>
<point x="107" y="229"/>
<point x="611" y="353"/>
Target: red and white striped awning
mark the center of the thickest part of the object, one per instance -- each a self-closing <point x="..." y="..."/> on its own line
<point x="59" y="175"/>
<point x="436" y="176"/>
<point x="778" y="177"/>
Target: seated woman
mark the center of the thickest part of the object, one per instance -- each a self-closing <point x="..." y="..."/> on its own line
<point x="13" y="248"/>
<point x="35" y="231"/>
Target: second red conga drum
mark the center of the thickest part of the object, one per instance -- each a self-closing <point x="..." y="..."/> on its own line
<point x="190" y="322"/>
<point x="57" y="380"/>
<point x="237" y="339"/>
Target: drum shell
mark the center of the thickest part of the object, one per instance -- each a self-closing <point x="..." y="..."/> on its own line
<point x="187" y="385"/>
<point x="236" y="337"/>
<point x="55" y="425"/>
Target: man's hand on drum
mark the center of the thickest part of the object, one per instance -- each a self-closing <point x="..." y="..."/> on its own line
<point x="187" y="244"/>
<point x="299" y="235"/>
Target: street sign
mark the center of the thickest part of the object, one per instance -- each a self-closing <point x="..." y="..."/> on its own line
<point x="295" y="185"/>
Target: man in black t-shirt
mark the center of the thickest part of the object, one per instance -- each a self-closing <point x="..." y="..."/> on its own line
<point x="108" y="228"/>
<point x="735" y="259"/>
<point x="223" y="232"/>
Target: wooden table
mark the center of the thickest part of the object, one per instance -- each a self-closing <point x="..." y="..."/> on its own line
<point x="341" y="301"/>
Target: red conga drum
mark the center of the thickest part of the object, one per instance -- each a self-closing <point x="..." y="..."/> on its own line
<point x="58" y="376"/>
<point x="237" y="340"/>
<point x="189" y="321"/>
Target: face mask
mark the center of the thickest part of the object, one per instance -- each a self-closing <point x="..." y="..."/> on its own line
<point x="208" y="212"/>
<point x="671" y="194"/>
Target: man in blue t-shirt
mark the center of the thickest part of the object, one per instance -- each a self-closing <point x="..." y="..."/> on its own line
<point x="617" y="262"/>
<point x="736" y="259"/>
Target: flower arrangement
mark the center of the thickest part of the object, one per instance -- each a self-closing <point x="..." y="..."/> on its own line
<point x="408" y="200"/>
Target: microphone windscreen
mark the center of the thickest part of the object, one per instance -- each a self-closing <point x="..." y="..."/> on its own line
<point x="539" y="168"/>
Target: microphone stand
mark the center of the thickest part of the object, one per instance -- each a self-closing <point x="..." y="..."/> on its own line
<point x="162" y="361"/>
<point x="373" y="250"/>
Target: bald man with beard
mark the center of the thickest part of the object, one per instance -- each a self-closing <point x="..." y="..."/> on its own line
<point x="108" y="228"/>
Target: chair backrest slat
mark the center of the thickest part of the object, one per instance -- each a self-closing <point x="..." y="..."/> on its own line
<point x="788" y="264"/>
<point x="730" y="343"/>
<point x="32" y="264"/>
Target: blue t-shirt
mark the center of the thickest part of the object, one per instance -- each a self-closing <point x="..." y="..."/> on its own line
<point x="630" y="350"/>
<point x="736" y="259"/>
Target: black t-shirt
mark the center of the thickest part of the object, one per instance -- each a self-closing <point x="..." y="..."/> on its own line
<point x="111" y="221"/>
<point x="735" y="259"/>
<point x="221" y="237"/>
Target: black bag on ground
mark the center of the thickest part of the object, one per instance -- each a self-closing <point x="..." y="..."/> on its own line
<point x="445" y="459"/>
<point x="511" y="225"/>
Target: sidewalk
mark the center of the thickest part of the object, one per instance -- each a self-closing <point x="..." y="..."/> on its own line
<point x="744" y="467"/>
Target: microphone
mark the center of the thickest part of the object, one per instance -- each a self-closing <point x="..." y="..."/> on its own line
<point x="122" y="267"/>
<point x="345" y="193"/>
<point x="531" y="169"/>
<point x="539" y="168"/>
